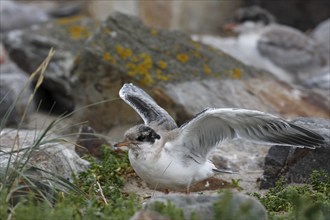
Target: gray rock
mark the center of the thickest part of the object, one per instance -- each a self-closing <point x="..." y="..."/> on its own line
<point x="88" y="142"/>
<point x="15" y="91"/>
<point x="297" y="164"/>
<point x="48" y="154"/>
<point x="183" y="76"/>
<point x="29" y="47"/>
<point x="222" y="206"/>
<point x="19" y="15"/>
<point x="148" y="215"/>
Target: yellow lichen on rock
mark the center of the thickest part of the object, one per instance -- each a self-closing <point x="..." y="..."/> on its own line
<point x="78" y="32"/>
<point x="107" y="57"/>
<point x="182" y="57"/>
<point x="162" y="64"/>
<point x="236" y="73"/>
<point x="124" y="53"/>
<point x="196" y="54"/>
<point x="207" y="69"/>
<point x="153" y="31"/>
<point x="68" y="20"/>
<point x="161" y="76"/>
<point x="141" y="70"/>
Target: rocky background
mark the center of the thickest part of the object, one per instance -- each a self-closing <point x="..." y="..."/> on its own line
<point x="97" y="51"/>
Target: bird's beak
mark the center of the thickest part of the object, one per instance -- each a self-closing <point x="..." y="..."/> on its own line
<point x="230" y="26"/>
<point x="124" y="144"/>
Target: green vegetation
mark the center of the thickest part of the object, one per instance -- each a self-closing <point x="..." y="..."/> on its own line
<point x="299" y="201"/>
<point x="97" y="196"/>
<point x="168" y="210"/>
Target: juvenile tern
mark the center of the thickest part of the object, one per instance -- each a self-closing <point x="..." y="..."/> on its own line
<point x="170" y="157"/>
<point x="285" y="51"/>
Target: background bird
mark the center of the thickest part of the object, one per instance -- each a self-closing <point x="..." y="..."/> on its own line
<point x="292" y="53"/>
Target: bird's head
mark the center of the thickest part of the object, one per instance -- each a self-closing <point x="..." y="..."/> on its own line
<point x="137" y="136"/>
<point x="250" y="19"/>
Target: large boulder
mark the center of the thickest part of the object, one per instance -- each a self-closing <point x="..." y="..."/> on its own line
<point x="15" y="91"/>
<point x="182" y="75"/>
<point x="221" y="206"/>
<point x="297" y="164"/>
<point x="29" y="47"/>
<point x="37" y="149"/>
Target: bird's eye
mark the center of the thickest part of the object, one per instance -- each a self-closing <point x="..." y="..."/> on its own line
<point x="141" y="138"/>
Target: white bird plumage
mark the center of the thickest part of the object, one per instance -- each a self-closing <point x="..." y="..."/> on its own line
<point x="286" y="52"/>
<point x="171" y="157"/>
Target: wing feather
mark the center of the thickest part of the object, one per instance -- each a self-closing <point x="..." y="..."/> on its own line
<point x="146" y="107"/>
<point x="201" y="134"/>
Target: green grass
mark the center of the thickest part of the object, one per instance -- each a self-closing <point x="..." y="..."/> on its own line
<point x="99" y="195"/>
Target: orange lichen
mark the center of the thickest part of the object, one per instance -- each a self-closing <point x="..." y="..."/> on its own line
<point x="182" y="57"/>
<point x="69" y="20"/>
<point x="78" y="32"/>
<point x="107" y="57"/>
<point x="141" y="70"/>
<point x="161" y="76"/>
<point x="162" y="64"/>
<point x="153" y="31"/>
<point x="196" y="54"/>
<point x="107" y="30"/>
<point x="236" y="73"/>
<point x="124" y="53"/>
<point x="207" y="69"/>
<point x="197" y="45"/>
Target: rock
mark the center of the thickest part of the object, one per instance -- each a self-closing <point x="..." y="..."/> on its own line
<point x="28" y="48"/>
<point x="89" y="143"/>
<point x="221" y="206"/>
<point x="319" y="81"/>
<point x="321" y="33"/>
<point x="45" y="153"/>
<point x="19" y="15"/>
<point x="15" y="91"/>
<point x="148" y="215"/>
<point x="297" y="164"/>
<point x="182" y="75"/>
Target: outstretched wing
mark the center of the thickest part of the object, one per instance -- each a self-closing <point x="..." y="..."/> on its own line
<point x="146" y="107"/>
<point x="201" y="134"/>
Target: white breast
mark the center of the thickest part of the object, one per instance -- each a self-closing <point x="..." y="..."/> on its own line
<point x="247" y="45"/>
<point x="168" y="172"/>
